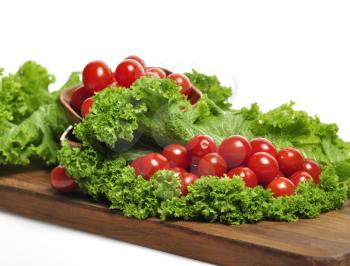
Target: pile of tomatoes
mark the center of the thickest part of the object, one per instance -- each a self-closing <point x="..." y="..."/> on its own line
<point x="257" y="162"/>
<point x="97" y="75"/>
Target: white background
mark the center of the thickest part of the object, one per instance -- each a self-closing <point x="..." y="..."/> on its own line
<point x="276" y="51"/>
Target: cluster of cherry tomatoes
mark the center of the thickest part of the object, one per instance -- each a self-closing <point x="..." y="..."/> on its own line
<point x="97" y="75"/>
<point x="257" y="162"/>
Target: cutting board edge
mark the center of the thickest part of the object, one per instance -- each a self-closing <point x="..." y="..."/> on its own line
<point x="311" y="260"/>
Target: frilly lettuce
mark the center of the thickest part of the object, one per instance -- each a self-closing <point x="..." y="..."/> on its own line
<point x="211" y="86"/>
<point x="24" y="92"/>
<point x="31" y="119"/>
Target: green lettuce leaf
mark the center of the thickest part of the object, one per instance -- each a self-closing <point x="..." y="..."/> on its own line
<point x="73" y="80"/>
<point x="117" y="113"/>
<point x="36" y="136"/>
<point x="211" y="86"/>
<point x="113" y="116"/>
<point x="24" y="92"/>
<point x="31" y="119"/>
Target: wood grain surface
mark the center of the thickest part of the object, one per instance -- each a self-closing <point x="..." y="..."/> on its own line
<point x="321" y="241"/>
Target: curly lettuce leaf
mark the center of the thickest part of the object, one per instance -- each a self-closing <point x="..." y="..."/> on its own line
<point x="113" y="116"/>
<point x="74" y="79"/>
<point x="165" y="105"/>
<point x="148" y="107"/>
<point x="24" y="92"/>
<point x="33" y="130"/>
<point x="211" y="86"/>
<point x="36" y="136"/>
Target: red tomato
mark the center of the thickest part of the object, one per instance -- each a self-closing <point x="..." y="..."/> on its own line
<point x="127" y="72"/>
<point x="199" y="146"/>
<point x="136" y="165"/>
<point x="290" y="160"/>
<point x="178" y="170"/>
<point x="151" y="163"/>
<point x="86" y="106"/>
<point x="313" y="169"/>
<point x="177" y="155"/>
<point x="138" y="59"/>
<point x="281" y="186"/>
<point x="97" y="75"/>
<point x="60" y="181"/>
<point x="263" y="145"/>
<point x="300" y="176"/>
<point x="156" y="70"/>
<point x="79" y="95"/>
<point x="235" y="150"/>
<point x="248" y="176"/>
<point x="182" y="81"/>
<point x="212" y="164"/>
<point x="151" y="74"/>
<point x="187" y="179"/>
<point x="264" y="165"/>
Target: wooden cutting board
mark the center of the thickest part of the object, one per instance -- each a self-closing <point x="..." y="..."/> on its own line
<point x="322" y="241"/>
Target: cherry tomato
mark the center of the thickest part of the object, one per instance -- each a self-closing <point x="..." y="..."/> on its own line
<point x="136" y="165"/>
<point x="313" y="169"/>
<point x="300" y="176"/>
<point x="138" y="59"/>
<point x="281" y="186"/>
<point x="187" y="179"/>
<point x="182" y="81"/>
<point x="264" y="165"/>
<point x="177" y="155"/>
<point x="127" y="72"/>
<point x="263" y="145"/>
<point x="290" y="160"/>
<point x="79" y="95"/>
<point x="235" y="150"/>
<point x="60" y="181"/>
<point x="248" y="176"/>
<point x="86" y="106"/>
<point x="177" y="170"/>
<point x="212" y="164"/>
<point x="151" y="74"/>
<point x="157" y="70"/>
<point x="199" y="146"/>
<point x="151" y="163"/>
<point x="97" y="75"/>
